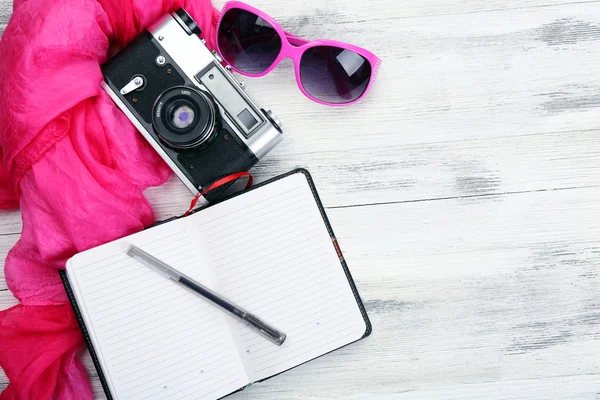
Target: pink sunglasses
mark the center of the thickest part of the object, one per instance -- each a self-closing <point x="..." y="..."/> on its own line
<point x="327" y="71"/>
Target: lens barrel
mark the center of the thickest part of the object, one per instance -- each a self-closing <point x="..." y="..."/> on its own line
<point x="184" y="117"/>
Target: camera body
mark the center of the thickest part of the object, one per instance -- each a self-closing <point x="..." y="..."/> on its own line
<point x="190" y="108"/>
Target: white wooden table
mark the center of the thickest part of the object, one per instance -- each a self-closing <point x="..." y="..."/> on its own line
<point x="465" y="192"/>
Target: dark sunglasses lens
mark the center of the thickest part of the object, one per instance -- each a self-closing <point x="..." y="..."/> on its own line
<point x="248" y="42"/>
<point x="334" y="75"/>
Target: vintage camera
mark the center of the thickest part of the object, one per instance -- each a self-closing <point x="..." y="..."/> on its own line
<point x="187" y="105"/>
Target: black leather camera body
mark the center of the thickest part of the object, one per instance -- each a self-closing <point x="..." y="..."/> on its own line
<point x="189" y="107"/>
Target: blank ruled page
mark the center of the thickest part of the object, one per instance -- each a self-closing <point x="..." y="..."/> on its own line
<point x="155" y="339"/>
<point x="272" y="254"/>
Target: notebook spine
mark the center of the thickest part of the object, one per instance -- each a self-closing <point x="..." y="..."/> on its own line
<point x="337" y="248"/>
<point x="334" y="240"/>
<point x="86" y="336"/>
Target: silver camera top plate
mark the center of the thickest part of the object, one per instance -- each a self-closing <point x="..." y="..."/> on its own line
<point x="197" y="62"/>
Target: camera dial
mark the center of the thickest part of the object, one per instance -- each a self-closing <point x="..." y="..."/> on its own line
<point x="274" y="120"/>
<point x="184" y="117"/>
<point x="186" y="22"/>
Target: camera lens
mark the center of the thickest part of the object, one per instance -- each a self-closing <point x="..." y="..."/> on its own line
<point x="185" y="117"/>
<point x="182" y="115"/>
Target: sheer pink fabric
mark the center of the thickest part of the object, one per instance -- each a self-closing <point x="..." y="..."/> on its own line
<point x="74" y="165"/>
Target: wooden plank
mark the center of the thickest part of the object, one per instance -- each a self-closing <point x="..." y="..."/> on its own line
<point x="353" y="13"/>
<point x="416" y="172"/>
<point x="6" y="243"/>
<point x="491" y="296"/>
<point x="476" y="93"/>
<point x="466" y="292"/>
<point x="6" y="298"/>
<point x="444" y="77"/>
<point x="5" y="13"/>
<point x="455" y="169"/>
<point x="574" y="387"/>
<point x="477" y="167"/>
<point x="10" y="222"/>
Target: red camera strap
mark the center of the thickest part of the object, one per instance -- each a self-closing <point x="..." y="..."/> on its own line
<point x="220" y="182"/>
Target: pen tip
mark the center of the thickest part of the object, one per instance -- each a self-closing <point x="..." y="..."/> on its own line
<point x="282" y="339"/>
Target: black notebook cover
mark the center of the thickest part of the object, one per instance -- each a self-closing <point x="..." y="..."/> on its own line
<point x="363" y="311"/>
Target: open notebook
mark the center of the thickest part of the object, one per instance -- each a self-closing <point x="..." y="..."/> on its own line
<point x="269" y="249"/>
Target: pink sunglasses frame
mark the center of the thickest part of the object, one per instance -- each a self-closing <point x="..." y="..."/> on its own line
<point x="293" y="47"/>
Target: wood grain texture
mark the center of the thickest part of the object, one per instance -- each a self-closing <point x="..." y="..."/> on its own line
<point x="6" y="297"/>
<point x="464" y="191"/>
<point x="414" y="172"/>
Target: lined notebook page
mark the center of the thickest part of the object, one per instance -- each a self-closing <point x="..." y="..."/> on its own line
<point x="154" y="339"/>
<point x="273" y="255"/>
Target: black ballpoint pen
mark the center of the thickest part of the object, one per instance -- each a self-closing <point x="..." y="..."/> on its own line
<point x="244" y="316"/>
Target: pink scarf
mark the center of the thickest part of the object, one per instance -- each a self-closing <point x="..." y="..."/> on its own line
<point x="74" y="165"/>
